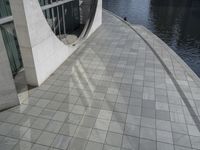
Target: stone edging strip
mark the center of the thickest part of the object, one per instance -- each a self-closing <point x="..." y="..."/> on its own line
<point x="169" y="69"/>
<point x="188" y="70"/>
<point x="176" y="57"/>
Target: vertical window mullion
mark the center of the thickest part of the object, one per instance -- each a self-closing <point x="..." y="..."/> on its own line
<point x="53" y="23"/>
<point x="58" y="17"/>
<point x="63" y="17"/>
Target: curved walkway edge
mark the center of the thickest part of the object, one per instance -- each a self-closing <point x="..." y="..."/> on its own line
<point x="180" y="73"/>
<point x="144" y="33"/>
<point x="119" y="90"/>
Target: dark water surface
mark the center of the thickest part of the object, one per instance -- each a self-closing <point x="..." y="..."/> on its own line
<point x="176" y="22"/>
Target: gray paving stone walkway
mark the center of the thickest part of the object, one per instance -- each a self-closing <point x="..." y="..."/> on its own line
<point x="112" y="94"/>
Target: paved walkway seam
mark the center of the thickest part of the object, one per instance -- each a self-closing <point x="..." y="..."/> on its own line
<point x="179" y="89"/>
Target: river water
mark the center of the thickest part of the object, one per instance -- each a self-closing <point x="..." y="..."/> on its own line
<point x="176" y="22"/>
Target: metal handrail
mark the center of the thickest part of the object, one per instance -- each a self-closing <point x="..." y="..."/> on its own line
<point x="54" y="4"/>
<point x="6" y="20"/>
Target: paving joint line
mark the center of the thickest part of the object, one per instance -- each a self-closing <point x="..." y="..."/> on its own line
<point x="180" y="91"/>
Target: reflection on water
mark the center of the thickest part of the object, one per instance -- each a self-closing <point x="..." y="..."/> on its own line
<point x="177" y="22"/>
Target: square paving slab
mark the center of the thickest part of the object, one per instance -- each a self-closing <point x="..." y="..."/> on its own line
<point x="113" y="93"/>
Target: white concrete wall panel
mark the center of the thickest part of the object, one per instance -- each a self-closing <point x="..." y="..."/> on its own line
<point x="8" y="94"/>
<point x="42" y="52"/>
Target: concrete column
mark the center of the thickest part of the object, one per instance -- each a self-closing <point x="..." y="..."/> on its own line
<point x="20" y="20"/>
<point x="8" y="93"/>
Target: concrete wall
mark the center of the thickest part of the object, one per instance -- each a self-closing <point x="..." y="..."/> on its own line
<point x="8" y="94"/>
<point x="42" y="52"/>
<point x="97" y="19"/>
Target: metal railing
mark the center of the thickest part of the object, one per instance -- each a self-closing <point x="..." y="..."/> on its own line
<point x="62" y="15"/>
<point x="69" y="17"/>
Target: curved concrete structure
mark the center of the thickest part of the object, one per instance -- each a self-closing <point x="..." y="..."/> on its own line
<point x="42" y="52"/>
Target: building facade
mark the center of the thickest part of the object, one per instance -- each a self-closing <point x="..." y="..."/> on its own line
<point x="39" y="35"/>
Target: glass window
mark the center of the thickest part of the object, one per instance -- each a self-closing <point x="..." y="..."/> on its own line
<point x="4" y="8"/>
<point x="12" y="46"/>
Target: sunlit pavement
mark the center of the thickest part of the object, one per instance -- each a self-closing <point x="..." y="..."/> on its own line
<point x="111" y="94"/>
